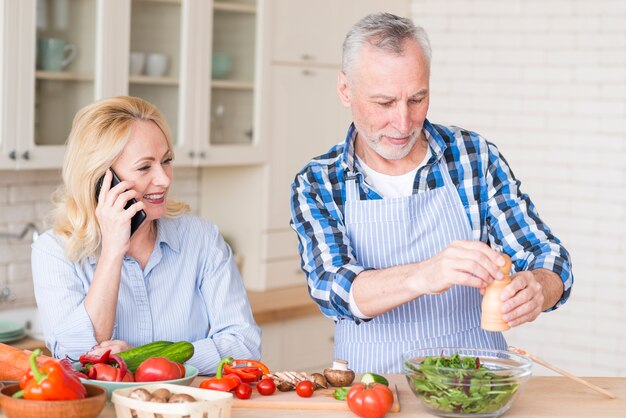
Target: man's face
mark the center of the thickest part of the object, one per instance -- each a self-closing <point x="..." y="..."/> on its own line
<point x="389" y="96"/>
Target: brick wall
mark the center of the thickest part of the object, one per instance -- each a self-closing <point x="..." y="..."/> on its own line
<point x="546" y="82"/>
<point x="24" y="198"/>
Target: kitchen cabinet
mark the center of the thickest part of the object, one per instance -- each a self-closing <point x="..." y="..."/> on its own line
<point x="172" y="45"/>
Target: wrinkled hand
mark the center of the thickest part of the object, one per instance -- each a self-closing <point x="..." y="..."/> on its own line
<point x="523" y="299"/>
<point x="466" y="263"/>
<point x="114" y="345"/>
<point x="114" y="220"/>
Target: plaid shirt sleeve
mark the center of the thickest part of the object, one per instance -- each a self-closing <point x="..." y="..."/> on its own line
<point x="327" y="256"/>
<point x="513" y="224"/>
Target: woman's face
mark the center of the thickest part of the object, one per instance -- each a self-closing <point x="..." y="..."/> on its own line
<point x="147" y="161"/>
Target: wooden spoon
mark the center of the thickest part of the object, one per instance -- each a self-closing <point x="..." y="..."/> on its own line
<point x="562" y="372"/>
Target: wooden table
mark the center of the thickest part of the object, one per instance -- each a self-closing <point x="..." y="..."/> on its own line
<point x="543" y="397"/>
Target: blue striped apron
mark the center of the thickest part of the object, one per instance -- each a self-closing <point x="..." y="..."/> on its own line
<point x="391" y="232"/>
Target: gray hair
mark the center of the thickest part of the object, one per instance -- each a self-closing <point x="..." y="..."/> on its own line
<point x="384" y="31"/>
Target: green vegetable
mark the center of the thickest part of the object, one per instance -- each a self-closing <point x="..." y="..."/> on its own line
<point x="374" y="378"/>
<point x="179" y="352"/>
<point x="135" y="356"/>
<point x="461" y="385"/>
<point x="341" y="393"/>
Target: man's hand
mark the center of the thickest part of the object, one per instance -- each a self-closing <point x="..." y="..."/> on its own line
<point x="529" y="294"/>
<point x="466" y="263"/>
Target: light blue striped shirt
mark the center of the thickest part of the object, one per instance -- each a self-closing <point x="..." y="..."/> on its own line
<point x="190" y="290"/>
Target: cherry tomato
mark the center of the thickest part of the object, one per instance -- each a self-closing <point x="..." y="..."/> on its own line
<point x="266" y="387"/>
<point x="243" y="391"/>
<point x="305" y="389"/>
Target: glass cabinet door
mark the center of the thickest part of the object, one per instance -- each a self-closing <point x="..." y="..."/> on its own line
<point x="233" y="73"/>
<point x="64" y="76"/>
<point x="155" y="56"/>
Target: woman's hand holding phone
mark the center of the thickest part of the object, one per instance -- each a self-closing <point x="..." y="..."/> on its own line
<point x="114" y="219"/>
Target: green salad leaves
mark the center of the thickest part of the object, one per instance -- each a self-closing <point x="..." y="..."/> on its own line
<point x="460" y="384"/>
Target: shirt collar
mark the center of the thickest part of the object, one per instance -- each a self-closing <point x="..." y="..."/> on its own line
<point x="166" y="234"/>
<point x="435" y="141"/>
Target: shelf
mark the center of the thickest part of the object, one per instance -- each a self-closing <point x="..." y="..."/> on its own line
<point x="232" y="85"/>
<point x="161" y="81"/>
<point x="234" y="7"/>
<point x="162" y="1"/>
<point x="62" y="76"/>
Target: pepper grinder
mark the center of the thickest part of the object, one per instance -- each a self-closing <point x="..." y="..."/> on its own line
<point x="491" y="319"/>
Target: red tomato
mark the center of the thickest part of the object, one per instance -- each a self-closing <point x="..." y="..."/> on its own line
<point x="305" y="389"/>
<point x="243" y="391"/>
<point x="156" y="369"/>
<point x="266" y="387"/>
<point x="370" y="401"/>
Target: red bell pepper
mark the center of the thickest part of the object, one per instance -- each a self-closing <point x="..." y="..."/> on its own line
<point x="90" y="358"/>
<point x="49" y="382"/>
<point x="157" y="369"/>
<point x="221" y="382"/>
<point x="248" y="370"/>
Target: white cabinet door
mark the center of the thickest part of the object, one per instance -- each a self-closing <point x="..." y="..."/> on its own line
<point x="307" y="119"/>
<point x="9" y="72"/>
<point x="313" y="31"/>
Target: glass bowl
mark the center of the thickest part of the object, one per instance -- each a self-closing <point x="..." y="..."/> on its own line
<point x="466" y="382"/>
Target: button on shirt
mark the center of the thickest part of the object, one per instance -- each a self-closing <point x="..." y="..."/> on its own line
<point x="190" y="290"/>
<point x="498" y="212"/>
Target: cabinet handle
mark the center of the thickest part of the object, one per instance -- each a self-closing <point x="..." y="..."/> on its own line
<point x="192" y="154"/>
<point x="308" y="73"/>
<point x="26" y="155"/>
<point x="202" y="154"/>
<point x="13" y="155"/>
<point x="307" y="57"/>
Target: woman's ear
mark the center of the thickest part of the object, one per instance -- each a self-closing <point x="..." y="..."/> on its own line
<point x="343" y="89"/>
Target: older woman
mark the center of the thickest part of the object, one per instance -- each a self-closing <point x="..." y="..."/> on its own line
<point x="98" y="286"/>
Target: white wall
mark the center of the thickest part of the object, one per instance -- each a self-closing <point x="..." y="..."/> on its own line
<point x="546" y="82"/>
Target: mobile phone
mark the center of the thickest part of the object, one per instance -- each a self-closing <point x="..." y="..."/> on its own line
<point x="138" y="218"/>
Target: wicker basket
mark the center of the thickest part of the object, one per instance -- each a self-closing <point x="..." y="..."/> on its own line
<point x="210" y="403"/>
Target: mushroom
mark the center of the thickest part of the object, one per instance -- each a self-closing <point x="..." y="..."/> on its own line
<point x="140" y="394"/>
<point x="339" y="375"/>
<point x="181" y="398"/>
<point x="162" y="393"/>
<point x="319" y="380"/>
<point x="285" y="386"/>
<point x="158" y="399"/>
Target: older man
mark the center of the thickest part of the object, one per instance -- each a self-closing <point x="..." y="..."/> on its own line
<point x="402" y="225"/>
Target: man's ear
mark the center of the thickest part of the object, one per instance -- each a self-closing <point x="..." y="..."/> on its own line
<point x="343" y="89"/>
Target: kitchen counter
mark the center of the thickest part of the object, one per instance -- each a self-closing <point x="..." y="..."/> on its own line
<point x="282" y="304"/>
<point x="543" y="397"/>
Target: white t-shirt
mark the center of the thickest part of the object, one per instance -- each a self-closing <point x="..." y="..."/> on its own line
<point x="388" y="187"/>
<point x="392" y="186"/>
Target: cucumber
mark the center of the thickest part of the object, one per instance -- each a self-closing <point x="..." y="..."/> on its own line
<point x="179" y="352"/>
<point x="374" y="378"/>
<point x="135" y="356"/>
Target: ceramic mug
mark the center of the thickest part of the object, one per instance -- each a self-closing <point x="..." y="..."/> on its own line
<point x="221" y="65"/>
<point x="137" y="63"/>
<point x="54" y="54"/>
<point x="157" y="65"/>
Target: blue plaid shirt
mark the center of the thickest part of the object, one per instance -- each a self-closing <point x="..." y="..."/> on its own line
<point x="498" y="212"/>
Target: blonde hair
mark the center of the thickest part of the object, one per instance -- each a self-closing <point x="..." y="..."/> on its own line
<point x="100" y="132"/>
